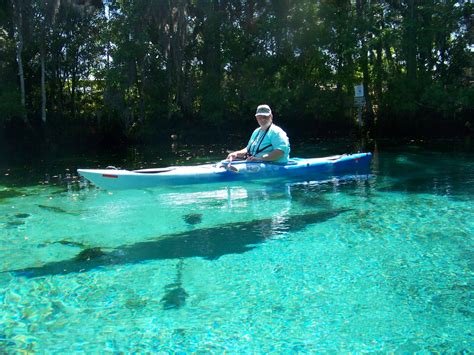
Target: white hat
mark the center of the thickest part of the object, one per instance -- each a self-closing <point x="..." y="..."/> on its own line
<point x="263" y="110"/>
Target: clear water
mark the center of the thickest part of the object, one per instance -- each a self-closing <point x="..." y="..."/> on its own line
<point x="379" y="263"/>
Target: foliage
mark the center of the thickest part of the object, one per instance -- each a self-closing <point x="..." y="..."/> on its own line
<point x="141" y="68"/>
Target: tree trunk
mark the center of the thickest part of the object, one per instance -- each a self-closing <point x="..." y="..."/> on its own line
<point x="364" y="61"/>
<point x="169" y="59"/>
<point x="50" y="9"/>
<point x="73" y="90"/>
<point x="140" y="84"/>
<point x="21" y="75"/>
<point x="410" y="42"/>
<point x="378" y="75"/>
<point x="19" y="54"/>
<point x="43" y="84"/>
<point x="178" y="50"/>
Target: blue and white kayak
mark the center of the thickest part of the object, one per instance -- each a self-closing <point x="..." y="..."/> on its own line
<point x="308" y="169"/>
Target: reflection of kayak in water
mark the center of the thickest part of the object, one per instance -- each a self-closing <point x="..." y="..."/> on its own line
<point x="313" y="168"/>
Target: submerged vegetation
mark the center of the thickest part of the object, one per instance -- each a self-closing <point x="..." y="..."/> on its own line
<point x="114" y="71"/>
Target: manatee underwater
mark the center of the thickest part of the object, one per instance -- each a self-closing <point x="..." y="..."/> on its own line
<point x="208" y="243"/>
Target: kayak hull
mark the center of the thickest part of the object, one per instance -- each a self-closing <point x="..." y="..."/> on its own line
<point x="309" y="169"/>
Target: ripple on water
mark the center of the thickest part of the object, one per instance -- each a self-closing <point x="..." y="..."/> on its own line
<point x="389" y="274"/>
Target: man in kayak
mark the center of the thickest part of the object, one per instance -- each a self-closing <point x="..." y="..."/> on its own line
<point x="267" y="143"/>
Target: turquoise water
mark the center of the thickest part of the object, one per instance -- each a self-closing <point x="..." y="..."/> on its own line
<point x="376" y="263"/>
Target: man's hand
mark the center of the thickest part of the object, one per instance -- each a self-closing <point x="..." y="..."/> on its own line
<point x="231" y="156"/>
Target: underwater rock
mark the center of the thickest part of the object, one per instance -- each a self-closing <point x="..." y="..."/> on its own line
<point x="136" y="303"/>
<point x="10" y="193"/>
<point x="52" y="209"/>
<point x="22" y="215"/>
<point x="70" y="243"/>
<point x="58" y="210"/>
<point x="193" y="218"/>
<point x="14" y="224"/>
<point x="90" y="253"/>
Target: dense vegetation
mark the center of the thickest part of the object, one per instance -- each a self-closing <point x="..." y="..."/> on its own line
<point x="142" y="69"/>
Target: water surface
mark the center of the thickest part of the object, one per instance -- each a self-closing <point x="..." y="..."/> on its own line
<point x="375" y="263"/>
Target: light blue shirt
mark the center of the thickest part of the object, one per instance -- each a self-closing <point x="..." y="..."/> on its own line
<point x="262" y="142"/>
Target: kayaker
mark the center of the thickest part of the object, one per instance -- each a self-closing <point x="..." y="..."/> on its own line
<point x="267" y="143"/>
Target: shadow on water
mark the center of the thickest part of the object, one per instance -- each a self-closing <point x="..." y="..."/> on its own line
<point x="175" y="294"/>
<point x="207" y="243"/>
